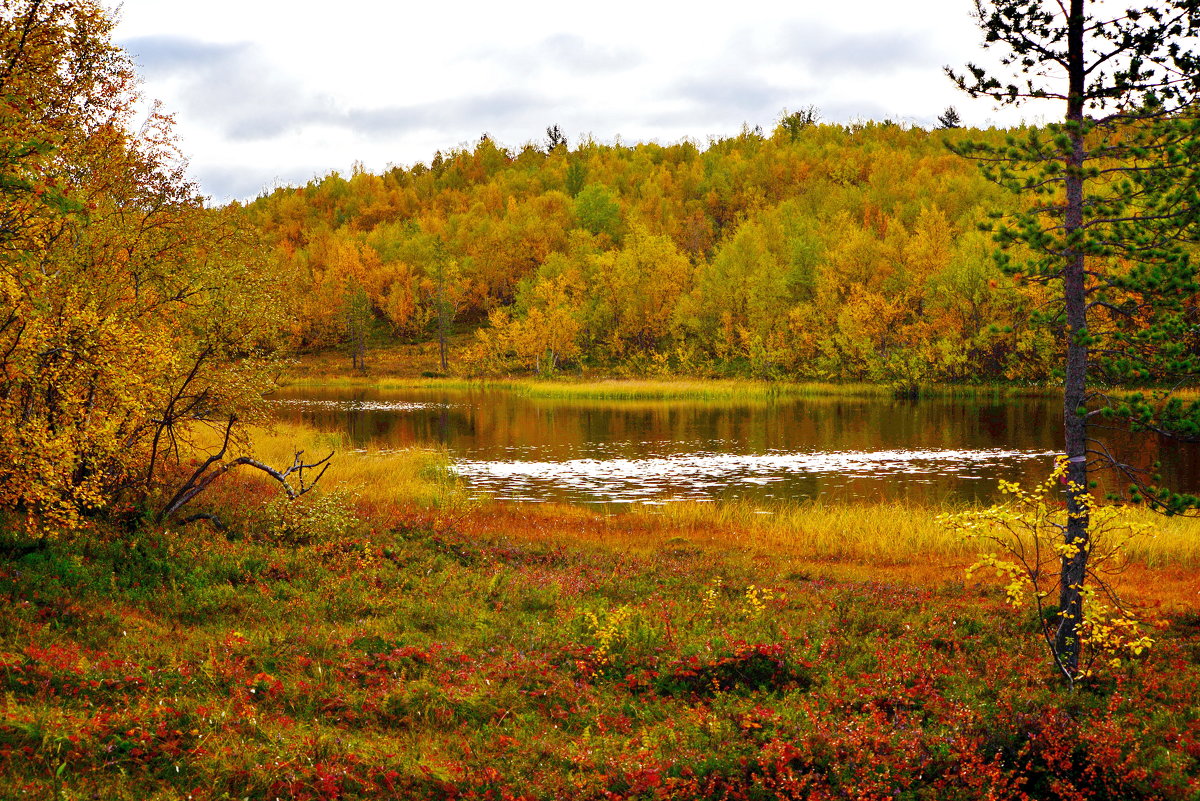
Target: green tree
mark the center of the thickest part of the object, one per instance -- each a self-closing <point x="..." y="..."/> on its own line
<point x="555" y="138"/>
<point x="575" y="178"/>
<point x="598" y="211"/>
<point x="949" y="118"/>
<point x="1112" y="198"/>
<point x="792" y="123"/>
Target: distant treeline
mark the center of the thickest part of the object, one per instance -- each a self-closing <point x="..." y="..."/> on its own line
<point x="819" y="251"/>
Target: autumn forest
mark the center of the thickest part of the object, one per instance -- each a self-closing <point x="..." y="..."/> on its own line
<point x="246" y="552"/>
<point x="817" y="251"/>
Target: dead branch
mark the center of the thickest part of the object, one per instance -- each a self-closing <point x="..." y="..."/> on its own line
<point x="213" y="468"/>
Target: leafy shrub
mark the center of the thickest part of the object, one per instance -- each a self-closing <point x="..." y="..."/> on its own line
<point x="310" y="519"/>
<point x="748" y="668"/>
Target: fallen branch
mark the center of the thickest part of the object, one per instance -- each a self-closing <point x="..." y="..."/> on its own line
<point x="202" y="478"/>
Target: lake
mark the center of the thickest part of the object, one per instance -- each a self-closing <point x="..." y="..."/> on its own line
<point x="517" y="447"/>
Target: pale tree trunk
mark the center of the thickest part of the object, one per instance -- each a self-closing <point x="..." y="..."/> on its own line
<point x="443" y="319"/>
<point x="1074" y="563"/>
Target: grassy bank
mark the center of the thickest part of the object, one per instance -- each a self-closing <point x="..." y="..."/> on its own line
<point x="417" y="367"/>
<point x="660" y="389"/>
<point x="417" y="476"/>
<point x="549" y="653"/>
<point x="867" y="532"/>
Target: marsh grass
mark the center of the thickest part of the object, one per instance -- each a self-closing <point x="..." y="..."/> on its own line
<point x="419" y="476"/>
<point x="725" y="390"/>
<point x="740" y="390"/>
<point x="873" y="532"/>
<point x="1172" y="542"/>
<point x="864" y="532"/>
<point x="891" y="533"/>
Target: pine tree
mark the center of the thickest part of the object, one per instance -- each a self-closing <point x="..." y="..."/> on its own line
<point x="1113" y="203"/>
<point x="554" y="138"/>
<point x="949" y="119"/>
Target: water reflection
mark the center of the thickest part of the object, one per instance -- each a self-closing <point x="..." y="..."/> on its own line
<point x="602" y="451"/>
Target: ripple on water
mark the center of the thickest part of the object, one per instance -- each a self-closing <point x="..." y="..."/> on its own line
<point x="696" y="476"/>
<point x="359" y="405"/>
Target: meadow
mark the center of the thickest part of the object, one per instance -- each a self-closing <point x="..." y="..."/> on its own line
<point x="388" y="636"/>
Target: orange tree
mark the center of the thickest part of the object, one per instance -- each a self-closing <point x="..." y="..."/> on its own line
<point x="129" y="313"/>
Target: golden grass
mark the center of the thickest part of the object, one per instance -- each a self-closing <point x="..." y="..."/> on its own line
<point x="1174" y="541"/>
<point x="1190" y="393"/>
<point x="887" y="533"/>
<point x="727" y="389"/>
<point x="607" y="389"/>
<point x="869" y="532"/>
<point x="419" y="476"/>
<point x="715" y="390"/>
<point x="854" y="542"/>
<point x="857" y="541"/>
<point x="740" y="389"/>
<point x="874" y="532"/>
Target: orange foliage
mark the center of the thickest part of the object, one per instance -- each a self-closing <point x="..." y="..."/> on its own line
<point x="767" y="234"/>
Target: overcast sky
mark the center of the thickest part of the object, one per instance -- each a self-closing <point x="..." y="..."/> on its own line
<point x="269" y="92"/>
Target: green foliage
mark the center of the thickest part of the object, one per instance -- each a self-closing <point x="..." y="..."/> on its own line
<point x="1109" y="224"/>
<point x="792" y="124"/>
<point x="598" y="212"/>
<point x="315" y="517"/>
<point x="1134" y="162"/>
<point x="949" y="119"/>
<point x="576" y="178"/>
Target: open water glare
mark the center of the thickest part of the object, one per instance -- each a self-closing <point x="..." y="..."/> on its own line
<point x="512" y="446"/>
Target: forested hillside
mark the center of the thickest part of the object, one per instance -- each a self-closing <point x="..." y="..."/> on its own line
<point x="820" y="251"/>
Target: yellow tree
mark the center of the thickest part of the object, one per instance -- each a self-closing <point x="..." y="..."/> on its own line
<point x="545" y="331"/>
<point x="129" y="313"/>
<point x="635" y="291"/>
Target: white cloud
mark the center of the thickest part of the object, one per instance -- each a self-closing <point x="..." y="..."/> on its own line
<point x="265" y="90"/>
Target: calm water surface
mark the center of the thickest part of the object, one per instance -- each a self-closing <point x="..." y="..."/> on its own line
<point x="515" y="447"/>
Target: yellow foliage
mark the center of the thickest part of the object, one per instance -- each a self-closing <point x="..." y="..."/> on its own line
<point x="126" y="307"/>
<point x="608" y="629"/>
<point x="1028" y="535"/>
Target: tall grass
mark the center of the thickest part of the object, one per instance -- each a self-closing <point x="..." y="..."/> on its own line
<point x="866" y="532"/>
<point x="370" y="382"/>
<point x="897" y="532"/>
<point x="419" y="476"/>
<point x="730" y="390"/>
<point x="873" y="532"/>
<point x="1173" y="541"/>
<point x="723" y="390"/>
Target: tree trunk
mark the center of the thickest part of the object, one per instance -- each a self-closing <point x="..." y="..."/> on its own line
<point x="1074" y="561"/>
<point x="443" y="323"/>
<point x="442" y="343"/>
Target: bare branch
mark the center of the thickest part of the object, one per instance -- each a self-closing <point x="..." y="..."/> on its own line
<point x="202" y="478"/>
